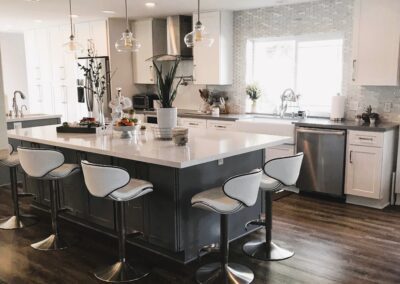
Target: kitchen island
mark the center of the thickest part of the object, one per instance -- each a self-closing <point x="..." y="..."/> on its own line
<point x="171" y="226"/>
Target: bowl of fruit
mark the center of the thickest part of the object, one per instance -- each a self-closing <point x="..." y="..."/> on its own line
<point x="127" y="126"/>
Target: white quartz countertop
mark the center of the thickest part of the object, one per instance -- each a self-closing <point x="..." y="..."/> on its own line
<point x="205" y="145"/>
<point x="30" y="117"/>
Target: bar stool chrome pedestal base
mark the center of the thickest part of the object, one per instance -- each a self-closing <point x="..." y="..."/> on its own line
<point x="260" y="250"/>
<point x="266" y="250"/>
<point x="53" y="242"/>
<point x="17" y="222"/>
<point x="121" y="272"/>
<point x="233" y="274"/>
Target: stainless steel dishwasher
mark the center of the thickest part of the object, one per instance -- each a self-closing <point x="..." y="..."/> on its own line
<point x="324" y="160"/>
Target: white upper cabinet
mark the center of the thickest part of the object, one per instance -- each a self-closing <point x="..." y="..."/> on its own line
<point x="151" y="34"/>
<point x="95" y="31"/>
<point x="376" y="42"/>
<point x="214" y="65"/>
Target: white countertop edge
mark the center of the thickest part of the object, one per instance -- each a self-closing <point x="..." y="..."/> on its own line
<point x="151" y="160"/>
<point x="33" y="117"/>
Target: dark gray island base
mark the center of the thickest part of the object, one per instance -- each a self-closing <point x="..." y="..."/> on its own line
<point x="170" y="225"/>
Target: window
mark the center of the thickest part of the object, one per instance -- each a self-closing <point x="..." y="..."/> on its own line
<point x="311" y="67"/>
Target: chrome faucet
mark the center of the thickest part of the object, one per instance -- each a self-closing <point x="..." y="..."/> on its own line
<point x="288" y="95"/>
<point x="15" y="105"/>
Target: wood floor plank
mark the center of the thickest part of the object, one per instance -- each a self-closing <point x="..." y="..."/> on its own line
<point x="333" y="243"/>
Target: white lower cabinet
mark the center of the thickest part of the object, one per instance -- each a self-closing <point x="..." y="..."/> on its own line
<point x="363" y="171"/>
<point x="220" y="125"/>
<point x="279" y="151"/>
<point x="192" y="122"/>
<point x="369" y="168"/>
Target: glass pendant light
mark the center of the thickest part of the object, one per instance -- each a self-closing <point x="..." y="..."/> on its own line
<point x="199" y="34"/>
<point x="72" y="46"/>
<point x="127" y="43"/>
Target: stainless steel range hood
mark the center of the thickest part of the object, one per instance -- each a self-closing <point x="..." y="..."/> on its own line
<point x="177" y="28"/>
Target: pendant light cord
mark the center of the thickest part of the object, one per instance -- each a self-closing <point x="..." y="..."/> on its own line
<point x="70" y="17"/>
<point x="126" y="15"/>
<point x="198" y="10"/>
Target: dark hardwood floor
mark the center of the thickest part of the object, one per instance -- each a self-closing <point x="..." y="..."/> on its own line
<point x="334" y="243"/>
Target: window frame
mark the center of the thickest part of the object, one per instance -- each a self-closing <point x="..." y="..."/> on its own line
<point x="250" y="46"/>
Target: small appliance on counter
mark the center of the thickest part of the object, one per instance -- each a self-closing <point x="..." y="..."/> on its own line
<point x="144" y="101"/>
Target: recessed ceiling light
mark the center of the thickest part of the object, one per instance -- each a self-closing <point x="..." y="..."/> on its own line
<point x="108" y="12"/>
<point x="38" y="21"/>
<point x="150" y="4"/>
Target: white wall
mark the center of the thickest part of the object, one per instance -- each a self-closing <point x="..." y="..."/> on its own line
<point x="12" y="50"/>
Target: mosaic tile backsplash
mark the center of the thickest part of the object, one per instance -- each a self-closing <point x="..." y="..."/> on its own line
<point x="318" y="17"/>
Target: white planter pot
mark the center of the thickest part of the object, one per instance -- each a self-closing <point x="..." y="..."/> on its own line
<point x="254" y="106"/>
<point x="167" y="117"/>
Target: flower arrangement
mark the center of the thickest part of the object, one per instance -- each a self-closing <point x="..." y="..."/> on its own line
<point x="253" y="91"/>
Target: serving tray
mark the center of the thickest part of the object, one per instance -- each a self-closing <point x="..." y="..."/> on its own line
<point x="87" y="130"/>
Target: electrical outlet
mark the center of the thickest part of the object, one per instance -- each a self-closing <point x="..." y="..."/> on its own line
<point x="220" y="162"/>
<point x="387" y="107"/>
<point x="17" y="125"/>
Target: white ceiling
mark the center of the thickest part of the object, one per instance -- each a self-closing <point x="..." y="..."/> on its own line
<point x="19" y="15"/>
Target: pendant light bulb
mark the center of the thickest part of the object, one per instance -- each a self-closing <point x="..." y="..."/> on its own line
<point x="127" y="43"/>
<point x="199" y="34"/>
<point x="72" y="46"/>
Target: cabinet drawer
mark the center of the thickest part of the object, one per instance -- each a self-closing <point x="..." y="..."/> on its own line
<point x="365" y="138"/>
<point x="220" y="125"/>
<point x="193" y="123"/>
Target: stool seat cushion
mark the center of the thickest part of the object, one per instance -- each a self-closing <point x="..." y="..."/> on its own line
<point x="134" y="189"/>
<point x="215" y="200"/>
<point x="10" y="161"/>
<point x="63" y="171"/>
<point x="270" y="184"/>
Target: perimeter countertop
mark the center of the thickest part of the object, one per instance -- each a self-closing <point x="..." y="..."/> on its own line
<point x="205" y="145"/>
<point x="347" y="124"/>
<point x="30" y="117"/>
<point x="196" y="114"/>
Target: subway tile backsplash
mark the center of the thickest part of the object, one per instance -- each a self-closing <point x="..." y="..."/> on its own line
<point x="318" y="17"/>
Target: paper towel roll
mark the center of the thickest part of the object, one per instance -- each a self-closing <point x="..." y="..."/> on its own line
<point x="337" y="107"/>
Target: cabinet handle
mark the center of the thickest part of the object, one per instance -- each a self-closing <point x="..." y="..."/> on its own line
<point x="151" y="73"/>
<point x="192" y="123"/>
<point x="220" y="126"/>
<point x="351" y="160"/>
<point x="354" y="70"/>
<point x="365" y="139"/>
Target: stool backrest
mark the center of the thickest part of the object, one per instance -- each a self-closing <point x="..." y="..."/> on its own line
<point x="244" y="187"/>
<point x="38" y="162"/>
<point x="101" y="180"/>
<point x="285" y="169"/>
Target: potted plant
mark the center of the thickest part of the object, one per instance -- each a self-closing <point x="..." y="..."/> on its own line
<point x="167" y="88"/>
<point x="254" y="93"/>
<point x="368" y="115"/>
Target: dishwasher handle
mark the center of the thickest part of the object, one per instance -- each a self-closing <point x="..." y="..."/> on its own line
<point x="320" y="131"/>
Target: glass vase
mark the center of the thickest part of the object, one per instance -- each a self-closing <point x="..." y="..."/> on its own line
<point x="100" y="106"/>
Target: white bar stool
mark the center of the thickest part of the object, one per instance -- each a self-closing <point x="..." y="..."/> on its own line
<point x="280" y="174"/>
<point x="115" y="183"/>
<point x="236" y="193"/>
<point x="17" y="221"/>
<point x="48" y="165"/>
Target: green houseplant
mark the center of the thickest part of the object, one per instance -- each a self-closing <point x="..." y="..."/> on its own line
<point x="167" y="88"/>
<point x="254" y="93"/>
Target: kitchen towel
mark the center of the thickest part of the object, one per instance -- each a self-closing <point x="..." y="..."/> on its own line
<point x="337" y="107"/>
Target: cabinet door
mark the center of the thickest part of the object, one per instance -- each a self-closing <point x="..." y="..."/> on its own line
<point x="363" y="171"/>
<point x="206" y="59"/>
<point x="376" y="39"/>
<point x="143" y="72"/>
<point x="98" y="33"/>
<point x="279" y="152"/>
<point x="220" y="125"/>
<point x="61" y="101"/>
